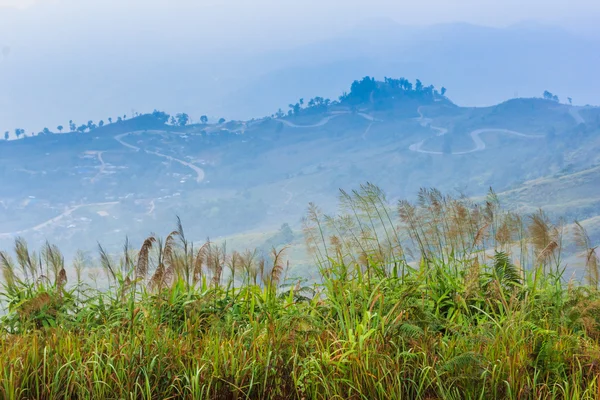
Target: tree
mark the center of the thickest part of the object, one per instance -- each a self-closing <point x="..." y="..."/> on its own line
<point x="549" y="96"/>
<point x="418" y="86"/>
<point x="119" y="119"/>
<point x="6" y="135"/>
<point x="204" y="119"/>
<point x="72" y="126"/>
<point x="443" y="91"/>
<point x="82" y="128"/>
<point x="125" y="116"/>
<point x="91" y="125"/>
<point x="570" y="100"/>
<point x="161" y="116"/>
<point x="19" y="132"/>
<point x="222" y="121"/>
<point x="100" y="123"/>
<point x="109" y="120"/>
<point x="173" y="121"/>
<point x="46" y="131"/>
<point x="182" y="119"/>
<point x="59" y="128"/>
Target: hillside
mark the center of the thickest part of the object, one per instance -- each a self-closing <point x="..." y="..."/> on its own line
<point x="235" y="177"/>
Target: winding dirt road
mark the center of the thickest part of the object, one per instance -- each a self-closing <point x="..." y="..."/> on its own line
<point x="55" y="219"/>
<point x="475" y="136"/>
<point x="325" y="120"/>
<point x="199" y="171"/>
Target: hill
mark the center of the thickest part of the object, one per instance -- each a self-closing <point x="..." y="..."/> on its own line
<point x="234" y="177"/>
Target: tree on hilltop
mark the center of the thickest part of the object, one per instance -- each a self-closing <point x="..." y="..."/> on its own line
<point x="6" y="135"/>
<point x="162" y="116"/>
<point x="204" y="119"/>
<point x="19" y="132"/>
<point x="100" y="123"/>
<point x="182" y="119"/>
<point x="549" y="96"/>
<point x="60" y="128"/>
<point x="222" y="121"/>
<point x="109" y="120"/>
<point x="418" y="86"/>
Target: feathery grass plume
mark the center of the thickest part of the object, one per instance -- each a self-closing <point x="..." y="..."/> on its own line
<point x="545" y="238"/>
<point x="277" y="268"/>
<point x="503" y="236"/>
<point x="200" y="260"/>
<point x="547" y="251"/>
<point x="186" y="264"/>
<point x="54" y="260"/>
<point x="480" y="236"/>
<point x="25" y="259"/>
<point x="408" y="215"/>
<point x="378" y="199"/>
<point x="11" y="281"/>
<point x="170" y="246"/>
<point x="588" y="252"/>
<point x="539" y="231"/>
<point x="215" y="262"/>
<point x="249" y="266"/>
<point x="156" y="282"/>
<point x="365" y="204"/>
<point x="61" y="280"/>
<point x="315" y="234"/>
<point x="143" y="261"/>
<point x="127" y="264"/>
<point x="107" y="264"/>
<point x="234" y="263"/>
<point x="345" y="244"/>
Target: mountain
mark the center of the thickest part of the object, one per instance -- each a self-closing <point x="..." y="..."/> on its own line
<point x="479" y="65"/>
<point x="136" y="175"/>
<point x="523" y="59"/>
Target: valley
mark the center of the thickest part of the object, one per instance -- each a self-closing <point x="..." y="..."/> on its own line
<point x="233" y="178"/>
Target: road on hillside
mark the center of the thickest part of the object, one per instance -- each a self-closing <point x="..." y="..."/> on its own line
<point x="475" y="136"/>
<point x="199" y="171"/>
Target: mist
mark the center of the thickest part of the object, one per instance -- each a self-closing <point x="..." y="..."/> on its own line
<point x="67" y="59"/>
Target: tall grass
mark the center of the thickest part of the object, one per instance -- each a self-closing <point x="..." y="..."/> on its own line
<point x="442" y="298"/>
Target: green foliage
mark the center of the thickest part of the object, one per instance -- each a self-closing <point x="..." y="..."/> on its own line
<point x="184" y="321"/>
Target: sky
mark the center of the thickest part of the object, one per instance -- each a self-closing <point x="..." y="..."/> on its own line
<point x="46" y="45"/>
<point x="265" y="23"/>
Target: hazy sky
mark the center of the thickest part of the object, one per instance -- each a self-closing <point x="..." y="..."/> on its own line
<point x="94" y="56"/>
<point x="264" y="22"/>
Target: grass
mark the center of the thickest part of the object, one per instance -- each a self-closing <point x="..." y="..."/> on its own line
<point x="438" y="299"/>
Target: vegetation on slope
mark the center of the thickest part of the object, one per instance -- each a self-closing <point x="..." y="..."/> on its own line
<point x="442" y="298"/>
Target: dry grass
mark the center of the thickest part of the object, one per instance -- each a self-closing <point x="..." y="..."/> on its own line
<point x="442" y="298"/>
